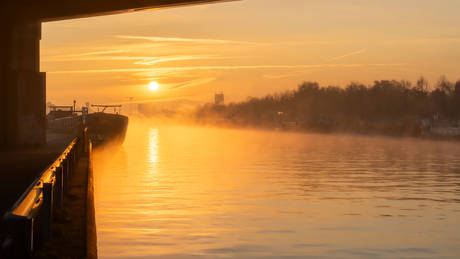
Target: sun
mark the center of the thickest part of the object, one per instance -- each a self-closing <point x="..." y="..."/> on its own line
<point x="153" y="86"/>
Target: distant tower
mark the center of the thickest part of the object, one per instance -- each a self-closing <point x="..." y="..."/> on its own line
<point x="131" y="108"/>
<point x="219" y="98"/>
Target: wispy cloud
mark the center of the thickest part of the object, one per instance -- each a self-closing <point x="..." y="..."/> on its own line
<point x="164" y="99"/>
<point x="347" y="55"/>
<point x="96" y="53"/>
<point x="181" y="40"/>
<point x="139" y="59"/>
<point x="311" y="43"/>
<point x="107" y="52"/>
<point x="423" y="41"/>
<point x="295" y="73"/>
<point x="170" y="69"/>
<point x="193" y="83"/>
<point x="154" y="60"/>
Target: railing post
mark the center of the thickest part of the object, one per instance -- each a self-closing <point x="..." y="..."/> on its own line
<point x="72" y="154"/>
<point x="74" y="160"/>
<point x="77" y="149"/>
<point x="85" y="139"/>
<point x="20" y="242"/>
<point x="75" y="153"/>
<point x="58" y="192"/>
<point x="65" y="170"/>
<point x="70" y="161"/>
<point x="69" y="165"/>
<point x="72" y="157"/>
<point x="47" y="211"/>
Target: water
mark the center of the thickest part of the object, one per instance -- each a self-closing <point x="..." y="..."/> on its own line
<point x="190" y="192"/>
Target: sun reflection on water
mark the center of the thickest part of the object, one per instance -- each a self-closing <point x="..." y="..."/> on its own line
<point x="153" y="147"/>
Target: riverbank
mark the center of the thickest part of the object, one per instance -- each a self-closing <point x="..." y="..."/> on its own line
<point x="405" y="131"/>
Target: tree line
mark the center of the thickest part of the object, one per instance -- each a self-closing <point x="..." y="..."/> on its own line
<point x="384" y="99"/>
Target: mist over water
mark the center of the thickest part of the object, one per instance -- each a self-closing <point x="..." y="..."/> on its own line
<point x="194" y="192"/>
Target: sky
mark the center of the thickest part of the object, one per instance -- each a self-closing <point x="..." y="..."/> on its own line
<point x="248" y="48"/>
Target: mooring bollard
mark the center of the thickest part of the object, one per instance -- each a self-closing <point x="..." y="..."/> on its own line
<point x="58" y="193"/>
<point x="47" y="211"/>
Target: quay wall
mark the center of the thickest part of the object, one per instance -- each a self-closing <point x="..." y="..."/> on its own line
<point x="91" y="232"/>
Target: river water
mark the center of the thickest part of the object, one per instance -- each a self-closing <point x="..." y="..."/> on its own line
<point x="195" y="192"/>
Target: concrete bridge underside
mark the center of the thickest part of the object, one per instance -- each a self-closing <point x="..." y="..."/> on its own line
<point x="22" y="85"/>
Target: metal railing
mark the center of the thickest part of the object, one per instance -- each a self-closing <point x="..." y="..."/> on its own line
<point x="45" y="192"/>
<point x="66" y="124"/>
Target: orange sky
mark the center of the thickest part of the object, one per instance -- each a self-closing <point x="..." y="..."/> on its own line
<point x="248" y="48"/>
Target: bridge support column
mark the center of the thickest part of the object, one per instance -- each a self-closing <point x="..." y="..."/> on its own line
<point x="22" y="86"/>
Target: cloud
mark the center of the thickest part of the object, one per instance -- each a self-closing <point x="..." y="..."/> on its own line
<point x="422" y="41"/>
<point x="139" y="60"/>
<point x="96" y="53"/>
<point x="312" y="43"/>
<point x="83" y="56"/>
<point x="165" y="99"/>
<point x="193" y="83"/>
<point x="100" y="55"/>
<point x="347" y="55"/>
<point x="154" y="60"/>
<point x="181" y="40"/>
<point x="295" y="73"/>
<point x="172" y="69"/>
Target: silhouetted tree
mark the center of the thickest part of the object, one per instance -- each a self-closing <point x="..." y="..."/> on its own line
<point x="355" y="100"/>
<point x="385" y="99"/>
<point x="438" y="101"/>
<point x="444" y="85"/>
<point x="456" y="99"/>
<point x="422" y="85"/>
<point x="418" y="99"/>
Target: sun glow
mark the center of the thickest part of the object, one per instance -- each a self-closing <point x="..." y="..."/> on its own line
<point x="153" y="86"/>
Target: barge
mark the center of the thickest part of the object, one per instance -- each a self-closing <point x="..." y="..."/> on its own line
<point x="102" y="127"/>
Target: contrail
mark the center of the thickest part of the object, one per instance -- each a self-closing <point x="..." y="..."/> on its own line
<point x="357" y="52"/>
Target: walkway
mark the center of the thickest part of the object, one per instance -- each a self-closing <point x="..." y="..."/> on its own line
<point x="20" y="166"/>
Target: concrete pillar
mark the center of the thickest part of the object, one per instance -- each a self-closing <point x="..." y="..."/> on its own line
<point x="23" y="86"/>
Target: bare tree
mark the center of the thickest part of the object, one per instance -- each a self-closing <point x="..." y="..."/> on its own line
<point x="444" y="85"/>
<point x="422" y="85"/>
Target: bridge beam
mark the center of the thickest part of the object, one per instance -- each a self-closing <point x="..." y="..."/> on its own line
<point x="53" y="10"/>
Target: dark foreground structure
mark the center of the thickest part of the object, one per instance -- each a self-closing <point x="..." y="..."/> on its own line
<point x="22" y="85"/>
<point x="54" y="217"/>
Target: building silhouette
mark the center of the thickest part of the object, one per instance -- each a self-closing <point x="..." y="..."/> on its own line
<point x="219" y="98"/>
